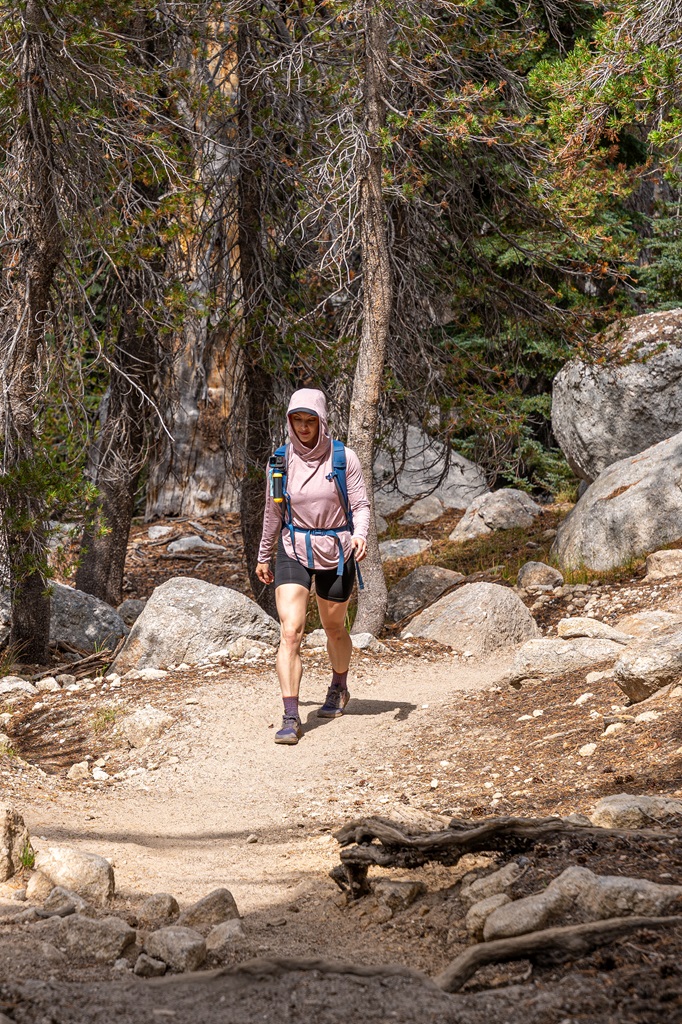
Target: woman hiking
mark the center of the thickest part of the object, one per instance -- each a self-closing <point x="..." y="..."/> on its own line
<point x="314" y="539"/>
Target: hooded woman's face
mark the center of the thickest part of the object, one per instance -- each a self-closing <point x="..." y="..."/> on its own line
<point x="307" y="428"/>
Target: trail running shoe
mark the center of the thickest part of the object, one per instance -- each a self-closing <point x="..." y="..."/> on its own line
<point x="334" y="703"/>
<point x="291" y="730"/>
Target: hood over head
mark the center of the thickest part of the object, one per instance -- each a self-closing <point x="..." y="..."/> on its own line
<point x="312" y="401"/>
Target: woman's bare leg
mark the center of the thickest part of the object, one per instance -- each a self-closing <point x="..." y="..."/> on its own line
<point x="339" y="644"/>
<point x="292" y="602"/>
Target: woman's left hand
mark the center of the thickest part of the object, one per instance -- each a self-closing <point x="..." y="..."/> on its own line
<point x="359" y="548"/>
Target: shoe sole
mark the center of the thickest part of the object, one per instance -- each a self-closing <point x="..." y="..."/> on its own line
<point x="336" y="713"/>
<point x="289" y="742"/>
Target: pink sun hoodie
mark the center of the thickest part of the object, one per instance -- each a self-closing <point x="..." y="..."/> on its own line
<point x="315" y="503"/>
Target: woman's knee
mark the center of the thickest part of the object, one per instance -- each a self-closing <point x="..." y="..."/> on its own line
<point x="291" y="635"/>
<point x="335" y="633"/>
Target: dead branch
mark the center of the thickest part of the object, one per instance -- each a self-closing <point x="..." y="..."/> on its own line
<point x="551" y="945"/>
<point x="504" y="834"/>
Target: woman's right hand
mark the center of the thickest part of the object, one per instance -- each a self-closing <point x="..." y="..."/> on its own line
<point x="264" y="573"/>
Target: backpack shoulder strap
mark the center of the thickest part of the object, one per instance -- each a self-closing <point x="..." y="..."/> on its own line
<point x="338" y="475"/>
<point x="283" y="452"/>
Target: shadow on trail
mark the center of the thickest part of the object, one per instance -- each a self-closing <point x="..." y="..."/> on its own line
<point x="357" y="706"/>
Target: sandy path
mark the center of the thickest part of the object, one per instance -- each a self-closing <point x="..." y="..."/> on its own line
<point x="184" y="828"/>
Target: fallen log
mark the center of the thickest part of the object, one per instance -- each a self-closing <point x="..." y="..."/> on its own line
<point x="549" y="946"/>
<point x="380" y="842"/>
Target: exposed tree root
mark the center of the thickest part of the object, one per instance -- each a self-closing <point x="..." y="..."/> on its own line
<point x="505" y="834"/>
<point x="551" y="945"/>
<point x="262" y="968"/>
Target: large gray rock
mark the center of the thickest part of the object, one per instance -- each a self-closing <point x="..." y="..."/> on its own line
<point x="501" y="510"/>
<point x="478" y="618"/>
<point x="76" y="618"/>
<point x="633" y="507"/>
<point x="15" y="843"/>
<point x="604" y="413"/>
<point x="626" y="810"/>
<point x="87" y="874"/>
<point x="478" y="913"/>
<point x="83" y="620"/>
<point x="646" y="665"/>
<point x="18" y="687"/>
<point x="183" y="949"/>
<point x="398" y="481"/>
<point x="545" y="657"/>
<point x="419" y="588"/>
<point x="647" y="622"/>
<point x="144" y="725"/>
<point x="186" y="619"/>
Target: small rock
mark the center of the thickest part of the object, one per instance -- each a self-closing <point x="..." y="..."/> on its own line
<point x="38" y="887"/>
<point x="646" y="622"/>
<point x="192" y="543"/>
<point x="479" y="913"/>
<point x="396" y="896"/>
<point x="158" y="531"/>
<point x="538" y="574"/>
<point x="392" y="550"/>
<point x="61" y="898"/>
<point x="367" y="642"/>
<point x="215" y="908"/>
<point x="648" y="716"/>
<point x="661" y="565"/>
<point x="87" y="874"/>
<point x="594" y="629"/>
<point x="425" y="510"/>
<point x="79" y="771"/>
<point x="625" y="810"/>
<point x="316" y="638"/>
<point x="587" y="750"/>
<point x="584" y="697"/>
<point x="17" y="687"/>
<point x="182" y="949"/>
<point x="222" y="938"/>
<point x="14" y="842"/>
<point x="253" y="838"/>
<point x="157" y="911"/>
<point x="144" y="725"/>
<point x="525" y="915"/>
<point x="48" y="685"/>
<point x="146" y="675"/>
<point x="490" y="885"/>
<point x="101" y="940"/>
<point x="614" y="728"/>
<point x="65" y="679"/>
<point x="148" y="967"/>
<point x="99" y="775"/>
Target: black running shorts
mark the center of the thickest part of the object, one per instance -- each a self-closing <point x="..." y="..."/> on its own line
<point x="328" y="585"/>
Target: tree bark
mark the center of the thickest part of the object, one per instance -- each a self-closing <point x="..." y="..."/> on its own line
<point x="377" y="306"/>
<point x="30" y="263"/>
<point x="192" y="472"/>
<point x="257" y="381"/>
<point x="118" y="455"/>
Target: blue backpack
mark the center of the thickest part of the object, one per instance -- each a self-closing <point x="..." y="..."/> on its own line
<point x="338" y="475"/>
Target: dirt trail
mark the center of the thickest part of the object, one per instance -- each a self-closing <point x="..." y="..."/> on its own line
<point x="184" y="829"/>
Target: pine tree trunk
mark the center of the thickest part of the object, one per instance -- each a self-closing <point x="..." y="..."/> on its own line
<point x="377" y="305"/>
<point x="30" y="263"/>
<point x="117" y="457"/>
<point x="257" y="382"/>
